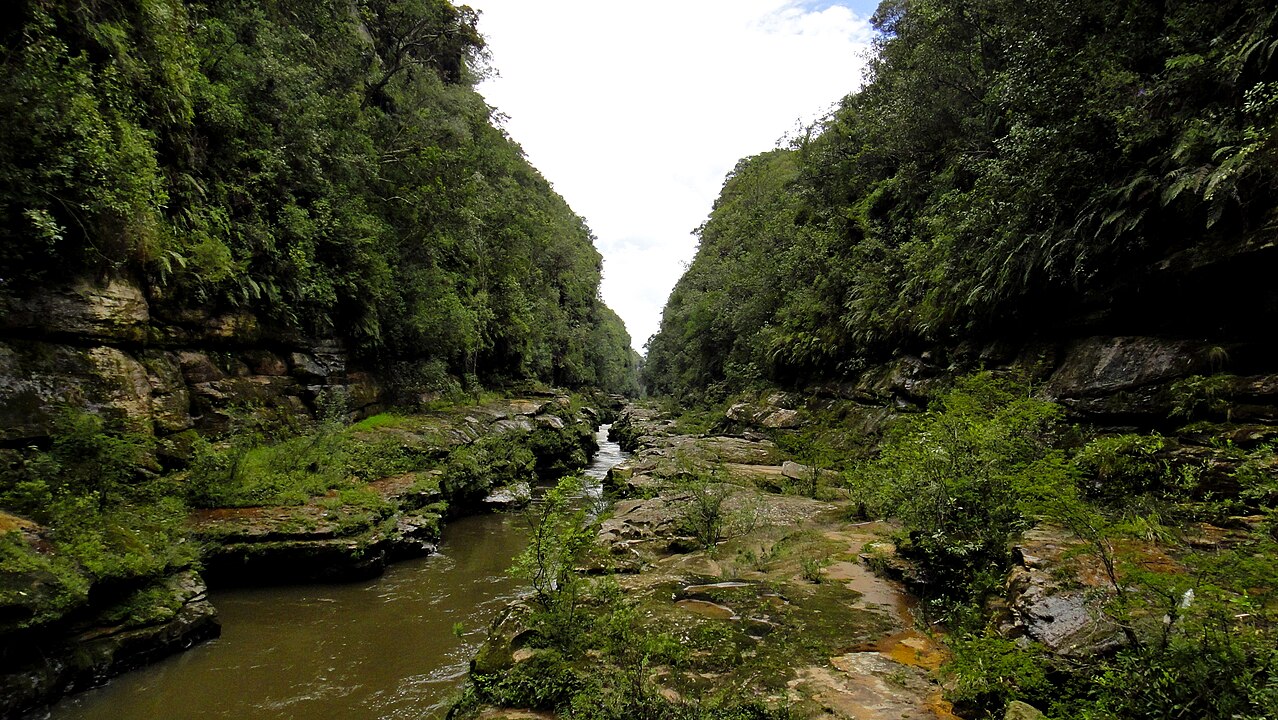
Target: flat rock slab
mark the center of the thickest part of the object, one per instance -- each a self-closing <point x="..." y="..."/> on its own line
<point x="868" y="686"/>
<point x="507" y="714"/>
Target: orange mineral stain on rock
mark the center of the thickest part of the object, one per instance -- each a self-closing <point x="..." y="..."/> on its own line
<point x="941" y="708"/>
<point x="913" y="648"/>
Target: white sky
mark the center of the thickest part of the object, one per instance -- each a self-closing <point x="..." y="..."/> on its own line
<point x="635" y="111"/>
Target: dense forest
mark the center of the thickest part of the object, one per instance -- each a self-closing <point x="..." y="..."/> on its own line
<point x="997" y="331"/>
<point x="1006" y="166"/>
<point x="277" y="266"/>
<point x="325" y="166"/>
<point x="1020" y="282"/>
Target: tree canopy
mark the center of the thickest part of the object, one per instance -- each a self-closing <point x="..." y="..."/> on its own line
<point x="327" y="166"/>
<point x="1004" y="164"/>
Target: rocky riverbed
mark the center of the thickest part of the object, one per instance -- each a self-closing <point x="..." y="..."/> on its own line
<point x="778" y="606"/>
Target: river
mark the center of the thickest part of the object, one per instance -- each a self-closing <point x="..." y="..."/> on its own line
<point x="393" y="648"/>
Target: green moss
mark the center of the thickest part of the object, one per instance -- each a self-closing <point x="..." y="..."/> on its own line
<point x="383" y="420"/>
<point x="36" y="587"/>
<point x="148" y="606"/>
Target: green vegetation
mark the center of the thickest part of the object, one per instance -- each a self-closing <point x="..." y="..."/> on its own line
<point x="561" y="537"/>
<point x="591" y="651"/>
<point x="989" y="461"/>
<point x="1004" y="164"/>
<point x="256" y="464"/>
<point x="325" y="166"/>
<point x="962" y="478"/>
<point x="701" y="512"/>
<point x="104" y="522"/>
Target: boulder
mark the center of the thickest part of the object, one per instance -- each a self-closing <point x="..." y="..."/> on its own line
<point x="782" y="419"/>
<point x="1056" y="597"/>
<point x="509" y="497"/>
<point x="507" y="635"/>
<point x="1017" y="710"/>
<point x="551" y="421"/>
<point x="1103" y="366"/>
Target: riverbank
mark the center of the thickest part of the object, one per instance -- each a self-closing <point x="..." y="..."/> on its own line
<point x="711" y="595"/>
<point x="375" y="492"/>
<point x="1075" y="565"/>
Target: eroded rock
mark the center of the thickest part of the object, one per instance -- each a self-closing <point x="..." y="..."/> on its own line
<point x="115" y="310"/>
<point x="1056" y="597"/>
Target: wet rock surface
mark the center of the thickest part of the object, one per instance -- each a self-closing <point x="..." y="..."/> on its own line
<point x="326" y="540"/>
<point x="754" y="619"/>
<point x="1055" y="595"/>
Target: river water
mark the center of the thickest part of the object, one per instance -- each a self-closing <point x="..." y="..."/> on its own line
<point x="393" y="648"/>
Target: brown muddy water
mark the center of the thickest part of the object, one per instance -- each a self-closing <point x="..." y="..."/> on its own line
<point x="380" y="650"/>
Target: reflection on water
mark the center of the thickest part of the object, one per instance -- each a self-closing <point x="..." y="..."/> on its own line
<point x="384" y="649"/>
<point x="381" y="649"/>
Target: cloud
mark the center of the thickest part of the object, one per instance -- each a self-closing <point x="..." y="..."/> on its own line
<point x="635" y="111"/>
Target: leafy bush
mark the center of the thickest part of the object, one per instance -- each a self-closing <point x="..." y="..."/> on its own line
<point x="544" y="682"/>
<point x="561" y="536"/>
<point x="701" y="511"/>
<point x="986" y="671"/>
<point x="1119" y="466"/>
<point x="962" y="477"/>
<point x="1202" y="396"/>
<point x="89" y="461"/>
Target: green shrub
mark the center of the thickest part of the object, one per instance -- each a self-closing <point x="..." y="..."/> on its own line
<point x="543" y="682"/>
<point x="811" y="569"/>
<point x="963" y="478"/>
<point x="561" y="536"/>
<point x="1117" y="467"/>
<point x="1202" y="396"/>
<point x="88" y="460"/>
<point x="701" y="513"/>
<point x="1228" y="678"/>
<point x="493" y="460"/>
<point x="986" y="671"/>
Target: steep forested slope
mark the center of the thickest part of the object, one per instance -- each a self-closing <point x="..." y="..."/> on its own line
<point x="1008" y="167"/>
<point x="228" y="229"/>
<point x="326" y="166"/>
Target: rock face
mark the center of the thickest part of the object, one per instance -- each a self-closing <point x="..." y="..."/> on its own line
<point x="42" y="665"/>
<point x="99" y="347"/>
<point x="1056" y="597"/>
<point x="1124" y="377"/>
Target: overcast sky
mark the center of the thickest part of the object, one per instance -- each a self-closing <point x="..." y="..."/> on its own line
<point x="635" y="111"/>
